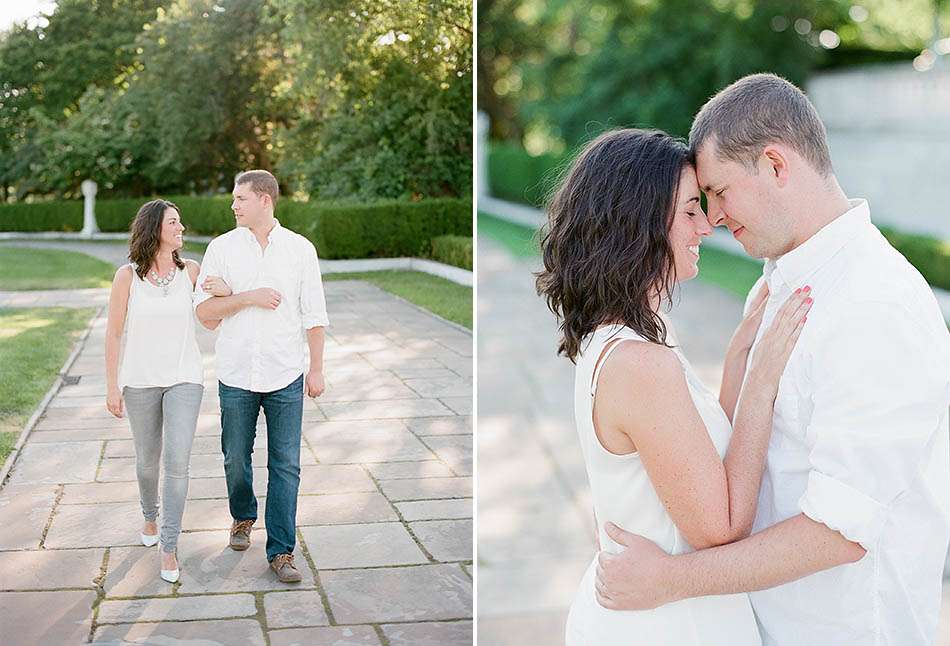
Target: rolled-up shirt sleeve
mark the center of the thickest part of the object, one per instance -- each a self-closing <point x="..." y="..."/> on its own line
<point x="878" y="398"/>
<point x="210" y="266"/>
<point x="313" y="304"/>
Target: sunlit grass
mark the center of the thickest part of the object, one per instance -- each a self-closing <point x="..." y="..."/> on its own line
<point x="23" y="268"/>
<point x="440" y="296"/>
<point x="34" y="344"/>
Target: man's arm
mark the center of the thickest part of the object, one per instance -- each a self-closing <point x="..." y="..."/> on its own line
<point x="216" y="308"/>
<point x="313" y="313"/>
<point x="315" y="384"/>
<point x="784" y="552"/>
<point x="878" y="389"/>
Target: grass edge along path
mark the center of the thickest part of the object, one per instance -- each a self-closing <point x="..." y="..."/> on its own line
<point x="442" y="297"/>
<point x="34" y="343"/>
<point x="33" y="268"/>
<point x="733" y="273"/>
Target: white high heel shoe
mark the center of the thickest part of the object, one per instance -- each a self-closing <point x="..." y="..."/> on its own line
<point x="170" y="575"/>
<point x="149" y="540"/>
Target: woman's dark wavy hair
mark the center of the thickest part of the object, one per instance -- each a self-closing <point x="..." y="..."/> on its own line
<point x="145" y="234"/>
<point x="606" y="248"/>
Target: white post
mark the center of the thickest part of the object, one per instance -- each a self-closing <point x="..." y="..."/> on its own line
<point x="481" y="162"/>
<point x="89" y="226"/>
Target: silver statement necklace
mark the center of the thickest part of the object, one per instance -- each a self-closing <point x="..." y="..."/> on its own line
<point x="164" y="281"/>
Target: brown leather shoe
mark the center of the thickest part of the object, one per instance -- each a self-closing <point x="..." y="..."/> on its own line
<point x="241" y="534"/>
<point x="283" y="566"/>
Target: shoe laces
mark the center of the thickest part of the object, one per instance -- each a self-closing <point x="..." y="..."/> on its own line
<point x="242" y="527"/>
<point x="283" y="559"/>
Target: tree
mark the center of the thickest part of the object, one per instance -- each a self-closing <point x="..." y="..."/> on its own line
<point x="382" y="90"/>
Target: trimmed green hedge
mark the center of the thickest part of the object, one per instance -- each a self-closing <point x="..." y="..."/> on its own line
<point x="381" y="229"/>
<point x="930" y="256"/>
<point x="453" y="250"/>
<point x="515" y="175"/>
<point x="392" y="228"/>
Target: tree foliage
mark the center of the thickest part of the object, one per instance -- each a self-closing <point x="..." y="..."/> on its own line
<point x="384" y="96"/>
<point x="341" y="99"/>
<point x="552" y="74"/>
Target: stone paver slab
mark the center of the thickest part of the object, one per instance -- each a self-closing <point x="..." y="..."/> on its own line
<point x="62" y="617"/>
<point x="95" y="525"/>
<point x="49" y="569"/>
<point x="441" y="633"/>
<point x="24" y="512"/>
<point x="418" y="593"/>
<point x="325" y="636"/>
<point x="454" y="450"/>
<point x="427" y="488"/>
<point x="361" y="545"/>
<point x="334" y="478"/>
<point x="52" y="463"/>
<point x="177" y="609"/>
<point x="386" y="409"/>
<point x="445" y="387"/>
<point x="436" y="509"/>
<point x="207" y="565"/>
<point x="347" y="508"/>
<point x="424" y="373"/>
<point x="370" y="446"/>
<point x="236" y="632"/>
<point x="455" y="425"/>
<point x="213" y="514"/>
<point x="445" y="540"/>
<point x="77" y="435"/>
<point x="198" y="488"/>
<point x="459" y="405"/>
<point x="414" y="469"/>
<point x="293" y="609"/>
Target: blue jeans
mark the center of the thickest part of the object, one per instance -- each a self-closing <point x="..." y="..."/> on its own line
<point x="283" y="410"/>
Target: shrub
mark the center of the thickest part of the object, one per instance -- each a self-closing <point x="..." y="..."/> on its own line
<point x="930" y="256"/>
<point x="453" y="250"/>
<point x="41" y="216"/>
<point x="207" y="216"/>
<point x="377" y="229"/>
<point x="390" y="228"/>
<point x="515" y="175"/>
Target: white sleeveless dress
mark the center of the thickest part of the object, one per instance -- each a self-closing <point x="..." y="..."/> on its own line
<point x="622" y="493"/>
<point x="161" y="347"/>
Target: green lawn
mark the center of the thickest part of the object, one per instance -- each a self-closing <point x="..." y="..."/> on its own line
<point x="443" y="297"/>
<point x="34" y="343"/>
<point x="22" y="269"/>
<point x="520" y="240"/>
<point x="732" y="272"/>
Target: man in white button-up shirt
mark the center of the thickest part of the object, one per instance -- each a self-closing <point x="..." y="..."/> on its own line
<point x="853" y="523"/>
<point x="276" y="312"/>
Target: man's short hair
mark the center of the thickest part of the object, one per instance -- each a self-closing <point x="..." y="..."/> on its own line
<point x="262" y="183"/>
<point x="758" y="110"/>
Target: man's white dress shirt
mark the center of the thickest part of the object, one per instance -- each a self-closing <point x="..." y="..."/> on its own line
<point x="259" y="349"/>
<point x="860" y="441"/>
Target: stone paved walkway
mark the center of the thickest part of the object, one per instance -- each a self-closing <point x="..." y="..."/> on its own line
<point x="535" y="520"/>
<point x="384" y="515"/>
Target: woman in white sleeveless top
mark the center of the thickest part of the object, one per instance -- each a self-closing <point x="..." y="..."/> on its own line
<point x="159" y="379"/>
<point x="666" y="459"/>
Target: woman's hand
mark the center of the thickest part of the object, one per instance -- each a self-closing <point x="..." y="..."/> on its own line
<point x="216" y="286"/>
<point x="114" y="402"/>
<point x="744" y="336"/>
<point x="776" y="345"/>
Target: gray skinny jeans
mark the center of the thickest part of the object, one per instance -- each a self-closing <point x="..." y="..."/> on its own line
<point x="176" y="408"/>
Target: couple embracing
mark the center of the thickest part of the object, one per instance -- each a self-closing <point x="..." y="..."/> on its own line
<point x="260" y="287"/>
<point x="808" y="502"/>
